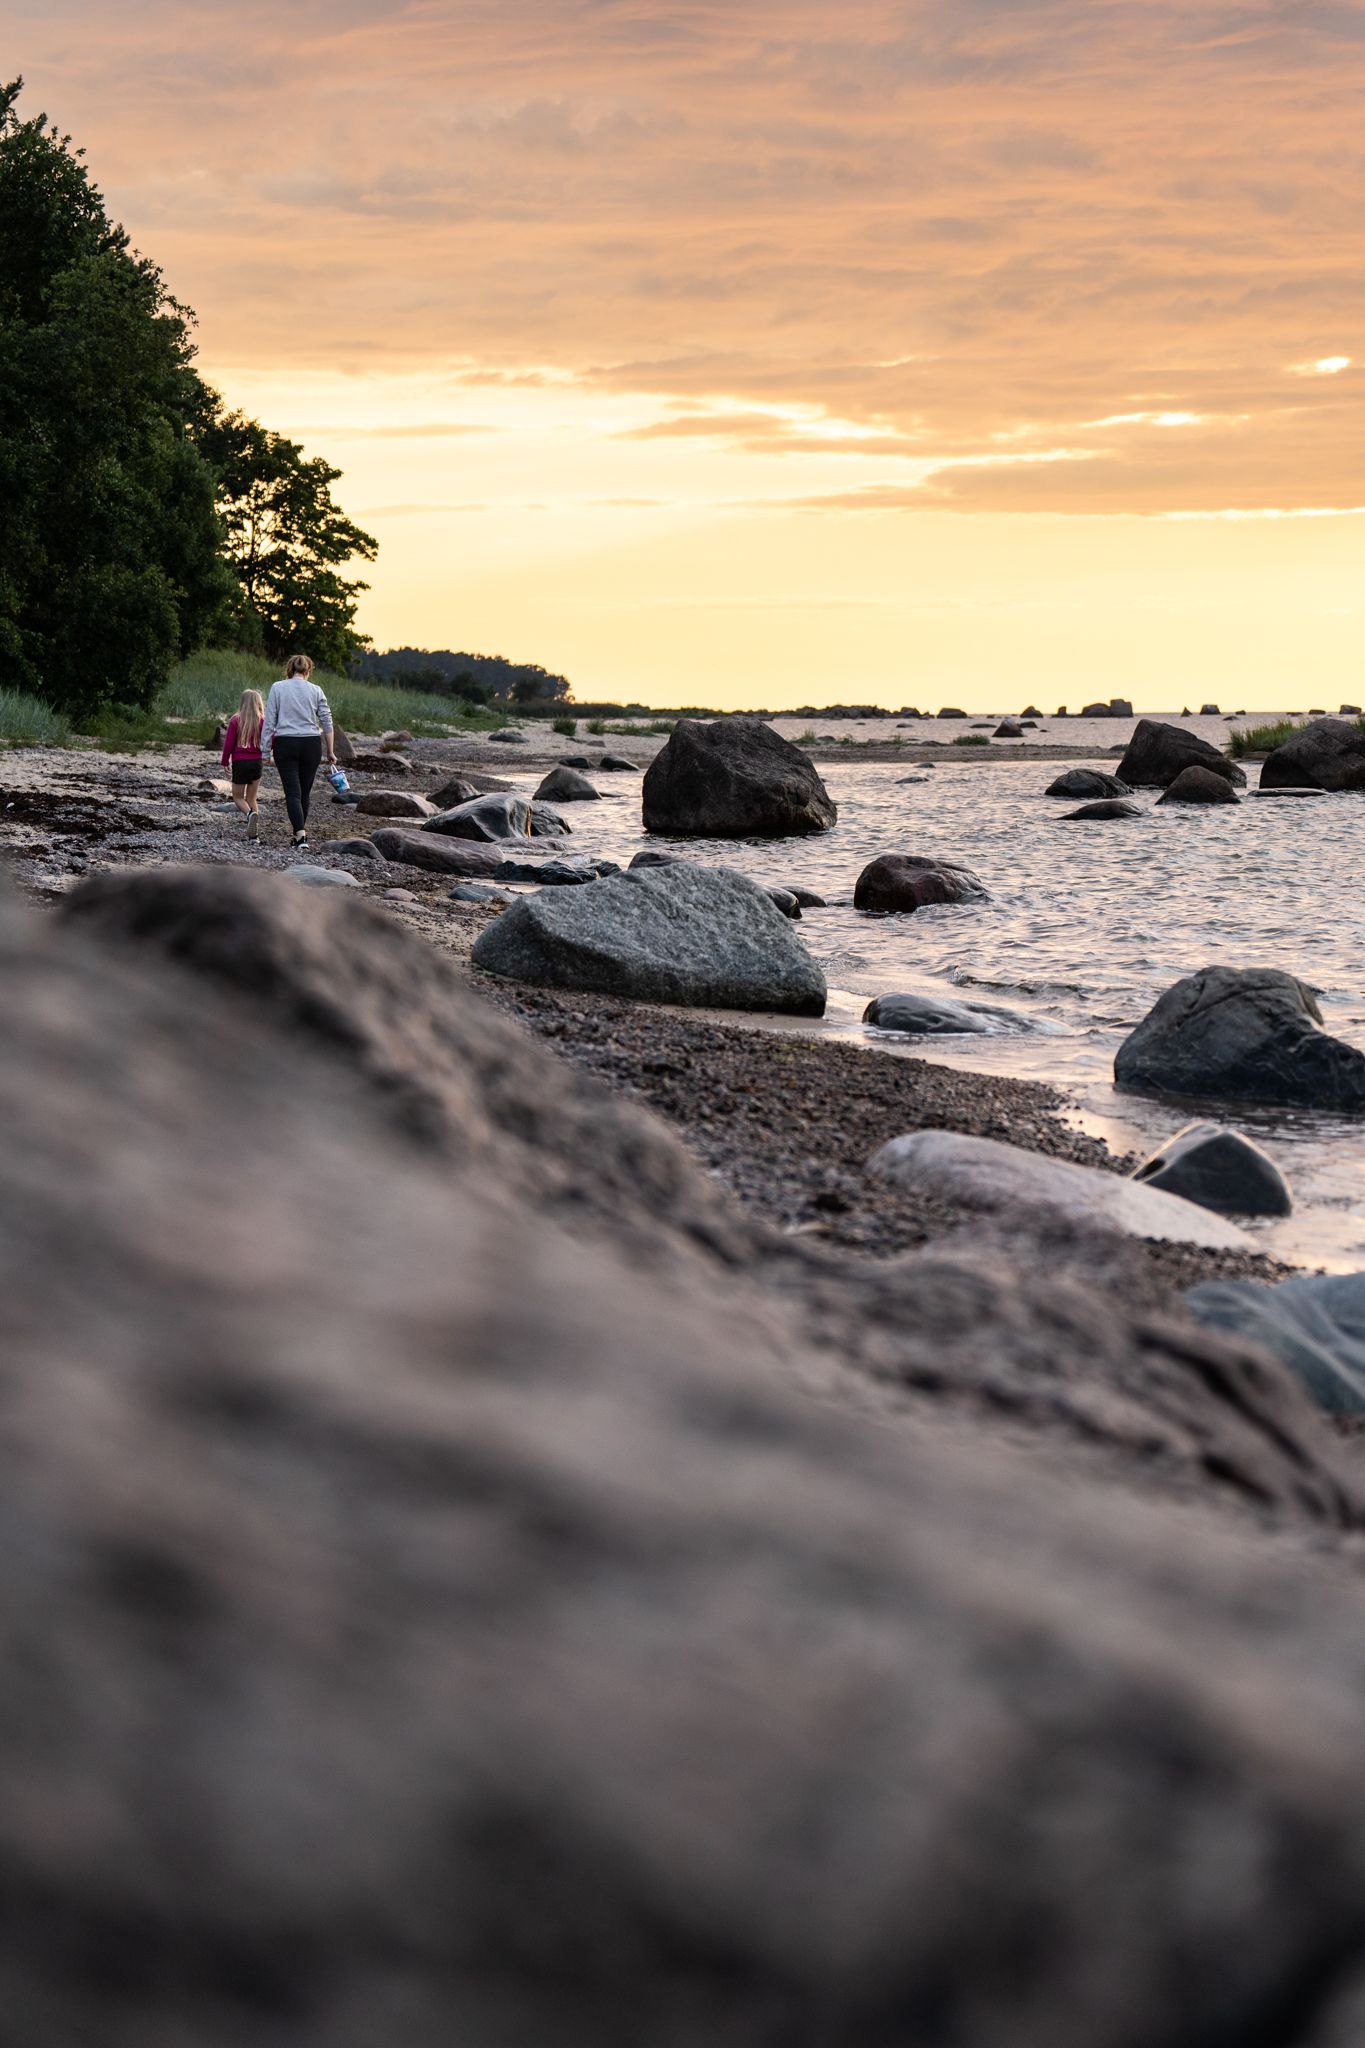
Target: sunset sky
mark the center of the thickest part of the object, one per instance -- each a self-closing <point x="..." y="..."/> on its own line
<point x="763" y="351"/>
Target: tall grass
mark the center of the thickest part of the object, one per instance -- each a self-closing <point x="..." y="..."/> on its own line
<point x="28" y="722"/>
<point x="1261" y="739"/>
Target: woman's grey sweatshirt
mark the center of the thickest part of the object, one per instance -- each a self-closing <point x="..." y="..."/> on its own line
<point x="295" y="709"/>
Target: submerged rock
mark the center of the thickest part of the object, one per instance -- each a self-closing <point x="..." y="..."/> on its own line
<point x="903" y="882"/>
<point x="1251" y="1034"/>
<point x="1328" y="753"/>
<point x="1107" y="807"/>
<point x="1199" y="785"/>
<point x="940" y="1016"/>
<point x="677" y="934"/>
<point x="1087" y="782"/>
<point x="1009" y="729"/>
<point x="733" y="779"/>
<point x="563" y="785"/>
<point x="1002" y="1180"/>
<point x="1220" y="1169"/>
<point x="1158" y="752"/>
<point x="1314" y="1324"/>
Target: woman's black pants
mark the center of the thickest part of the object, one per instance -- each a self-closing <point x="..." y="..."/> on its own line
<point x="297" y="760"/>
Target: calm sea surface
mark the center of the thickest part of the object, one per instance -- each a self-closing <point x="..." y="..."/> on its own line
<point x="1085" y="927"/>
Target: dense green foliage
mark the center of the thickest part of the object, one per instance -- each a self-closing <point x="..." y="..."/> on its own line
<point x="28" y="722"/>
<point x="286" y="540"/>
<point x="109" y="553"/>
<point x="139" y="519"/>
<point x="481" y="678"/>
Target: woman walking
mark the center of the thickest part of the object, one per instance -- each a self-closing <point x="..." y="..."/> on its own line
<point x="298" y="729"/>
<point x="242" y="758"/>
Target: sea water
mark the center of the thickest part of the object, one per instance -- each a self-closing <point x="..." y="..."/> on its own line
<point x="1084" y="927"/>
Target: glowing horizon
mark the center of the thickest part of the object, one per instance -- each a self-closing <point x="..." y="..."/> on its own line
<point x="740" y="351"/>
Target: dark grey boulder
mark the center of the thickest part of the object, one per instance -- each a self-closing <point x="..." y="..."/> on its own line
<point x="1096" y="711"/>
<point x="951" y="711"/>
<point x="1314" y="1324"/>
<point x="618" y="764"/>
<point x="498" y="817"/>
<point x="1087" y="782"/>
<point x="1199" y="785"/>
<point x="565" y="786"/>
<point x="809" y="899"/>
<point x="575" y="761"/>
<point x="480" y="892"/>
<point x="655" y="857"/>
<point x="387" y="763"/>
<point x="439" y="855"/>
<point x="342" y="746"/>
<point x="733" y="779"/>
<point x="550" y="874"/>
<point x="1328" y="753"/>
<point x="1009" y="729"/>
<point x="902" y="882"/>
<point x="1157" y="752"/>
<point x="940" y="1016"/>
<point x="678" y="934"/>
<point x="509" y="735"/>
<point x="321" y="878"/>
<point x="356" y="849"/>
<point x="1248" y="1034"/>
<point x="1030" y="711"/>
<point x="784" y="899"/>
<point x="1220" y="1169"/>
<point x="1120" y="707"/>
<point x="1106" y="807"/>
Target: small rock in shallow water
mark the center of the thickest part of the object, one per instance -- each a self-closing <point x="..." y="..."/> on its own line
<point x="807" y="898"/>
<point x="903" y="882"/>
<point x="940" y="1016"/>
<point x="573" y="869"/>
<point x="566" y="786"/>
<point x="1196" y="785"/>
<point x="1087" y="782"/>
<point x="1004" y="1180"/>
<point x="617" y="764"/>
<point x="1220" y="1169"/>
<point x="1106" y="807"/>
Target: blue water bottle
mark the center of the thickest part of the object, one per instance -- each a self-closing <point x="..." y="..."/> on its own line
<point x="337" y="777"/>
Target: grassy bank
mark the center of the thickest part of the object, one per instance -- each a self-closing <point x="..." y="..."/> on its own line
<point x="28" y="722"/>
<point x="204" y="689"/>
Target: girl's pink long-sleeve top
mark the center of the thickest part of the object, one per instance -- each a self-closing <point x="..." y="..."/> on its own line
<point x="231" y="750"/>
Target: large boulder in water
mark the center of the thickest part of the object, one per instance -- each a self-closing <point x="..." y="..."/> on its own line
<point x="498" y="817"/>
<point x="1087" y="782"/>
<point x="1328" y="753"/>
<point x="1199" y="785"/>
<point x="902" y="882"/>
<point x="733" y="779"/>
<point x="1248" y="1034"/>
<point x="1157" y="752"/>
<point x="677" y="934"/>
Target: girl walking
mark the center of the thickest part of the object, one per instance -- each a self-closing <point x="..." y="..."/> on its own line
<point x="242" y="758"/>
<point x="298" y="729"/>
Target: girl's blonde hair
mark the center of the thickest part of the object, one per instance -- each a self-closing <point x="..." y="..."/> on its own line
<point x="298" y="665"/>
<point x="250" y="718"/>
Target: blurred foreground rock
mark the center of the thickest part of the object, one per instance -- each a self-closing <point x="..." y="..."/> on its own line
<point x="422" y="1625"/>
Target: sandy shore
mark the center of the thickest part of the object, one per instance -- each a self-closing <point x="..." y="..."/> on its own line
<point x="786" y="1123"/>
